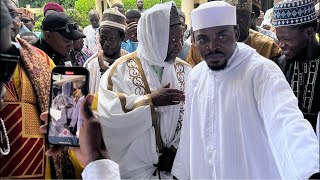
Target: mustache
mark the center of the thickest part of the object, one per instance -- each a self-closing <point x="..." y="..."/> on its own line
<point x="215" y="52"/>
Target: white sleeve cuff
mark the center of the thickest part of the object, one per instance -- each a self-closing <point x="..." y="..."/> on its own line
<point x="101" y="169"/>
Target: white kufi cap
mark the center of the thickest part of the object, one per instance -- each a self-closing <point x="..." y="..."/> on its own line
<point x="212" y="14"/>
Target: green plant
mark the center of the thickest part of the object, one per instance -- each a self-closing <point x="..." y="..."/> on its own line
<point x="131" y="4"/>
<point x="39" y="19"/>
<point x="82" y="8"/>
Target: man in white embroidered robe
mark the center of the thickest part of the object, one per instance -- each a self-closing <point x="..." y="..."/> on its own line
<point x="141" y="98"/>
<point x="242" y="119"/>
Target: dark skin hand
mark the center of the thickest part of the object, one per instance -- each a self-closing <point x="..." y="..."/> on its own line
<point x="167" y="96"/>
<point x="131" y="30"/>
<point x="91" y="141"/>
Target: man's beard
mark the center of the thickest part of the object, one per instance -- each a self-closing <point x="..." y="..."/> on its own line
<point x="220" y="67"/>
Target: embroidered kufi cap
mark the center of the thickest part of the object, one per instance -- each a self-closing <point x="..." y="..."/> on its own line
<point x="293" y="12"/>
<point x="243" y="5"/>
<point x="113" y="18"/>
<point x="213" y="14"/>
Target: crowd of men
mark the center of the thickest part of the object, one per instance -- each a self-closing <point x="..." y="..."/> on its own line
<point x="234" y="96"/>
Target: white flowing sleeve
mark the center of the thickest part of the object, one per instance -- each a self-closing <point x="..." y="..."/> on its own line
<point x="85" y="40"/>
<point x="292" y="139"/>
<point x="124" y="115"/>
<point x="101" y="169"/>
<point x="181" y="164"/>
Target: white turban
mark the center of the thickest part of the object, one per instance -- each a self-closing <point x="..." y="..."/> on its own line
<point x="212" y="14"/>
<point x="153" y="34"/>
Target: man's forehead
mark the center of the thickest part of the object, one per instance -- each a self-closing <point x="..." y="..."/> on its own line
<point x="213" y="30"/>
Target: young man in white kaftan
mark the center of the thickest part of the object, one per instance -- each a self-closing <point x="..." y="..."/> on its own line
<point x="141" y="98"/>
<point x="242" y="119"/>
<point x="111" y="34"/>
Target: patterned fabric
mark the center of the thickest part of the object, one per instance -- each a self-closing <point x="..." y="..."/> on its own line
<point x="27" y="95"/>
<point x="38" y="73"/>
<point x="304" y="78"/>
<point x="305" y="84"/>
<point x="245" y="5"/>
<point x="81" y="56"/>
<point x="294" y="12"/>
<point x="21" y="115"/>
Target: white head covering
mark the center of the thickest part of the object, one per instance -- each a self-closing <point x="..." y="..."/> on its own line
<point x="153" y="34"/>
<point x="212" y="14"/>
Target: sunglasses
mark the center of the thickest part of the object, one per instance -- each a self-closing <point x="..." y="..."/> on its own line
<point x="68" y="27"/>
<point x="8" y="64"/>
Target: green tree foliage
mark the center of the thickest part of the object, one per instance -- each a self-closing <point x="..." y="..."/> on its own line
<point x="82" y="8"/>
<point x="40" y="3"/>
<point x="131" y="4"/>
<point x="76" y="9"/>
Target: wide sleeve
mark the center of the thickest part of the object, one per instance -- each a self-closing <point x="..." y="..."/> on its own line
<point x="124" y="115"/>
<point x="292" y="139"/>
<point x="101" y="169"/>
<point x="181" y="164"/>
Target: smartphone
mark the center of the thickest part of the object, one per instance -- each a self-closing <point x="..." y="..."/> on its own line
<point x="69" y="86"/>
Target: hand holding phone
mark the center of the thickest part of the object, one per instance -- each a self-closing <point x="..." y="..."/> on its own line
<point x="92" y="146"/>
<point x="65" y="119"/>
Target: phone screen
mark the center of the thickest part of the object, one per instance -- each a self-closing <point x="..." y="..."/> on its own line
<point x="68" y="91"/>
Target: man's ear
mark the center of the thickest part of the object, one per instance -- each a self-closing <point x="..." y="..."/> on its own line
<point x="192" y="37"/>
<point x="47" y="35"/>
<point x="309" y="32"/>
<point x="237" y="32"/>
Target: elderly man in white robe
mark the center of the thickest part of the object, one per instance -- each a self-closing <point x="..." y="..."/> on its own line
<point x="141" y="98"/>
<point x="242" y="120"/>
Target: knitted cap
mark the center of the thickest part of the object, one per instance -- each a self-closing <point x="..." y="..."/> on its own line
<point x="113" y="18"/>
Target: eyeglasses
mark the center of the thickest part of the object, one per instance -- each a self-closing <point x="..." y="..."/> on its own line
<point x="68" y="27"/>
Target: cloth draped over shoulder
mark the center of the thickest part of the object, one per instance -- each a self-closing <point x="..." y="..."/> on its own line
<point x="125" y="107"/>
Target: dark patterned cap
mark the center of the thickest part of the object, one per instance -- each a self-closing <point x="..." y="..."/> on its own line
<point x="293" y="12"/>
<point x="174" y="16"/>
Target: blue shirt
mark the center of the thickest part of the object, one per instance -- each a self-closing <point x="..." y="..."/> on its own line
<point x="129" y="46"/>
